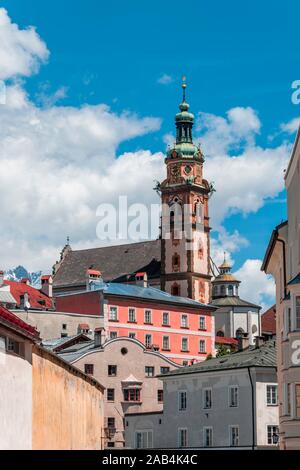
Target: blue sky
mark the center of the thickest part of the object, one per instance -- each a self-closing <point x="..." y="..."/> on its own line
<point x="234" y="55"/>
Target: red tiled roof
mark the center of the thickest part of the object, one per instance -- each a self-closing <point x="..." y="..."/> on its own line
<point x="45" y="278"/>
<point x="268" y="321"/>
<point x="17" y="322"/>
<point x="224" y="340"/>
<point x="36" y="298"/>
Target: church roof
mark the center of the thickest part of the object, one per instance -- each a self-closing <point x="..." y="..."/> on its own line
<point x="227" y="277"/>
<point x="233" y="302"/>
<point x="114" y="262"/>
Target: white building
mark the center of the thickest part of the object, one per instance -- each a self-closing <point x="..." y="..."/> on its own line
<point x="220" y="403"/>
<point x="282" y="260"/>
<point x="235" y="317"/>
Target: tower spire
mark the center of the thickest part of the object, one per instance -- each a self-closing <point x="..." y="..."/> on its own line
<point x="184" y="86"/>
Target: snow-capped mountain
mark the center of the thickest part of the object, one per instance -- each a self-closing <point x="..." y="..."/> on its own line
<point x="18" y="273"/>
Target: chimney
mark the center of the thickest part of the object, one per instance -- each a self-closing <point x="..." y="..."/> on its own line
<point x="141" y="279"/>
<point x="243" y="342"/>
<point x="259" y="341"/>
<point x="98" y="337"/>
<point x="93" y="279"/>
<point x="1" y="278"/>
<point x="24" y="301"/>
<point x="47" y="285"/>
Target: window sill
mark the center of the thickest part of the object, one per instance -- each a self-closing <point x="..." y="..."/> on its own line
<point x="185" y="351"/>
<point x="132" y="402"/>
<point x="132" y="322"/>
<point x="166" y="350"/>
<point x="202" y="352"/>
<point x="202" y="329"/>
<point x="166" y="326"/>
<point x="185" y="327"/>
<point x="148" y="324"/>
<point x="113" y="321"/>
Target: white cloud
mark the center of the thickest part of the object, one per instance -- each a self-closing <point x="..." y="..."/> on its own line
<point x="256" y="287"/>
<point x="21" y="50"/>
<point x="239" y="167"/>
<point x="58" y="164"/>
<point x="291" y="127"/>
<point x="165" y="79"/>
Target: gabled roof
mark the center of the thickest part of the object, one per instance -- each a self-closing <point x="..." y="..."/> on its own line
<point x="112" y="261"/>
<point x="265" y="356"/>
<point x="268" y="321"/>
<point x="37" y="299"/>
<point x="59" y="344"/>
<point x="10" y="320"/>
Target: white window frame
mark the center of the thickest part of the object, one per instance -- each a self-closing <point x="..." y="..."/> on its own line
<point x="163" y="347"/>
<point x="179" y="438"/>
<point x="117" y="313"/>
<point x="210" y="429"/>
<point x="267" y="433"/>
<point x="133" y="309"/>
<point x="130" y="335"/>
<point x="207" y="389"/>
<point x="151" y="342"/>
<point x="201" y="342"/>
<point x="230" y="389"/>
<point x="147" y="311"/>
<point x="231" y="427"/>
<point x="114" y="333"/>
<point x="144" y="432"/>
<point x="163" y="316"/>
<point x="271" y="385"/>
<point x="184" y="315"/>
<point x="202" y="318"/>
<point x="187" y="344"/>
<point x="180" y="393"/>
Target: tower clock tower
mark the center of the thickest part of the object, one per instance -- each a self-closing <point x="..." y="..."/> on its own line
<point x="185" y="229"/>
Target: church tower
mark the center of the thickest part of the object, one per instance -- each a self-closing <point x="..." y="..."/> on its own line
<point x="185" y="229"/>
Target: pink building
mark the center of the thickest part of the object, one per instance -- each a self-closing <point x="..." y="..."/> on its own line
<point x="180" y="328"/>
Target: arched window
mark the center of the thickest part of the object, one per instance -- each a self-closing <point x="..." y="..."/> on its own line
<point x="223" y="291"/>
<point x="220" y="334"/>
<point x="239" y="333"/>
<point x="215" y="291"/>
<point x="175" y="290"/>
<point x="230" y="290"/>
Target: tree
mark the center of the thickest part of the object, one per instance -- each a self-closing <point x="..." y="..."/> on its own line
<point x="222" y="350"/>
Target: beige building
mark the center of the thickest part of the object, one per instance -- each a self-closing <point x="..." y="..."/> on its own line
<point x="45" y="403"/>
<point x="129" y="373"/>
<point x="60" y="324"/>
<point x="282" y="260"/>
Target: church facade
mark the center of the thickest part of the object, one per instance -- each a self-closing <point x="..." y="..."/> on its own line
<point x="179" y="261"/>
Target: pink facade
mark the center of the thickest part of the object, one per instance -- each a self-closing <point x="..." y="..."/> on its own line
<point x="182" y="333"/>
